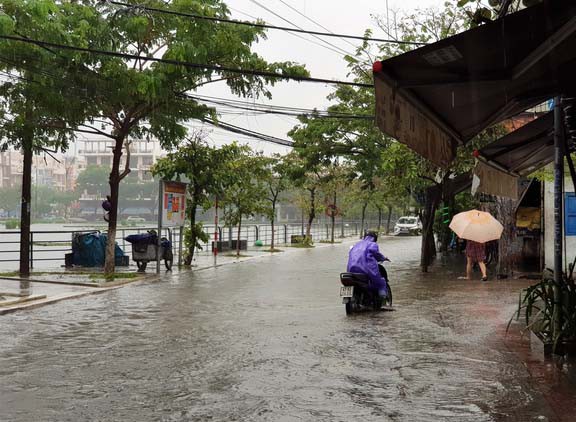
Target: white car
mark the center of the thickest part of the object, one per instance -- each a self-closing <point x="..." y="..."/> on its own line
<point x="408" y="226"/>
<point x="134" y="219"/>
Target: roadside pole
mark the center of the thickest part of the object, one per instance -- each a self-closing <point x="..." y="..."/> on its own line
<point x="215" y="249"/>
<point x="159" y="233"/>
<point x="558" y="214"/>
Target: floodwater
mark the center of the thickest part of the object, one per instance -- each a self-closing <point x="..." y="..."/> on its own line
<point x="268" y="340"/>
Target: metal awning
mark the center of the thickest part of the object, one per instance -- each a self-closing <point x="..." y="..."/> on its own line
<point x="525" y="150"/>
<point x="517" y="154"/>
<point x="442" y="95"/>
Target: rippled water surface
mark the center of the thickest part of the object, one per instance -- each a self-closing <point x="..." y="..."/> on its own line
<point x="268" y="340"/>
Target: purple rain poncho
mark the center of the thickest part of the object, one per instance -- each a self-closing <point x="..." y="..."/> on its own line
<point x="363" y="258"/>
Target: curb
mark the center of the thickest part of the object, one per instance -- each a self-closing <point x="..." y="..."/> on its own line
<point x="95" y="291"/>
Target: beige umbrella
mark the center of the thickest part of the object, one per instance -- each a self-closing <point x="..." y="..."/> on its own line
<point x="476" y="225"/>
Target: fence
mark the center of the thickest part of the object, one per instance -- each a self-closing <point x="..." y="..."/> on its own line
<point x="50" y="246"/>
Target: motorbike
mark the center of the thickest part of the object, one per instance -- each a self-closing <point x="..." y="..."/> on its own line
<point x="357" y="293"/>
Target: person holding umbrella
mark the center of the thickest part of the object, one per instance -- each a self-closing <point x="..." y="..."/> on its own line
<point x="475" y="254"/>
<point x="477" y="227"/>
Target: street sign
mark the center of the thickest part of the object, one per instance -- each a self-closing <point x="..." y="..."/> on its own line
<point x="173" y="204"/>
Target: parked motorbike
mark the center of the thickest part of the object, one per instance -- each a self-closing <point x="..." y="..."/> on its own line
<point x="357" y="293"/>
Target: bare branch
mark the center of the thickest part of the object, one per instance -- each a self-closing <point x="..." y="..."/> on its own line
<point x="95" y="131"/>
<point x="126" y="171"/>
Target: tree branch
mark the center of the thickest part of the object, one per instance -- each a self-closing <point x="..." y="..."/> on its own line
<point x="126" y="171"/>
<point x="95" y="131"/>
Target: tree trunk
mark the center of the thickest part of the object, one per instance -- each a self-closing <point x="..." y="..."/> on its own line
<point x="192" y="245"/>
<point x="379" y="219"/>
<point x="333" y="218"/>
<point x="25" y="208"/>
<point x="238" y="238"/>
<point x="362" y="228"/>
<point x="446" y="234"/>
<point x="311" y="214"/>
<point x="389" y="218"/>
<point x="504" y="212"/>
<point x="428" y="250"/>
<point x="114" y="181"/>
<point x="272" y="221"/>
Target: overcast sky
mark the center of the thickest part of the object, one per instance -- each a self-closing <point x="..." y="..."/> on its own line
<point x="346" y="17"/>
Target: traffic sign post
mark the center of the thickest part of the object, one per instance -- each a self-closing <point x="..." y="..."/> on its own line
<point x="171" y="210"/>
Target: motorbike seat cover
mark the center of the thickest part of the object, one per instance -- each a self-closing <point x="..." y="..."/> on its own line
<point x="349" y="279"/>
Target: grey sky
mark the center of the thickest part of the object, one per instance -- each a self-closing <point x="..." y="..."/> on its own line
<point x="346" y="17"/>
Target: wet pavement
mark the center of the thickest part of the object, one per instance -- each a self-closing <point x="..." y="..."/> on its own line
<point x="268" y="340"/>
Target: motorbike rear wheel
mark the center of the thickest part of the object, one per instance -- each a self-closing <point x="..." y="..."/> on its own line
<point x="353" y="305"/>
<point x="388" y="299"/>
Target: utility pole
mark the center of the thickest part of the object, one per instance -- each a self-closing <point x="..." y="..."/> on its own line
<point x="558" y="214"/>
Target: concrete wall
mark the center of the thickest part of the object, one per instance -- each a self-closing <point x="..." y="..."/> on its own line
<point x="570" y="248"/>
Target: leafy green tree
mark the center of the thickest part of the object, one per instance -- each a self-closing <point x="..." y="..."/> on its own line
<point x="10" y="199"/>
<point x="306" y="174"/>
<point x="38" y="109"/>
<point x="47" y="200"/>
<point x="478" y="12"/>
<point x="94" y="180"/>
<point x="207" y="170"/>
<point x="336" y="179"/>
<point x="245" y="191"/>
<point x="375" y="155"/>
<point x="139" y="97"/>
<point x="276" y="181"/>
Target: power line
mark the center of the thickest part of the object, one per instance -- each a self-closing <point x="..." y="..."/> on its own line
<point x="247" y="132"/>
<point x="313" y="21"/>
<point x="285" y="111"/>
<point x="257" y="108"/>
<point x="249" y="72"/>
<point x="343" y="52"/>
<point x="260" y="25"/>
<point x="295" y="35"/>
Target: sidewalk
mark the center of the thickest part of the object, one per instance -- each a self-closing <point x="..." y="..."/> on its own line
<point x="54" y="285"/>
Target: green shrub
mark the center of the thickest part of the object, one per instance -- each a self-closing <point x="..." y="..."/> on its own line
<point x="12" y="224"/>
<point x="539" y="308"/>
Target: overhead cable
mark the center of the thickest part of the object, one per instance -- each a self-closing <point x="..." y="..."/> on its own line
<point x="247" y="132"/>
<point x="288" y="5"/>
<point x="249" y="72"/>
<point x="259" y="25"/>
<point x="343" y="52"/>
<point x="286" y="111"/>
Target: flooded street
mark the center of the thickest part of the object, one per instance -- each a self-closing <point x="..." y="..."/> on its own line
<point x="268" y="340"/>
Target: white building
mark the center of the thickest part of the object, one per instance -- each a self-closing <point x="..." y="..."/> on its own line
<point x="143" y="155"/>
<point x="57" y="170"/>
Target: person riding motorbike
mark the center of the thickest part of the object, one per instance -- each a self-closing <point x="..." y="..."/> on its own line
<point x="364" y="257"/>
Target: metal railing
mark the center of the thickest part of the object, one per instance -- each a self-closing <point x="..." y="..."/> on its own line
<point x="51" y="246"/>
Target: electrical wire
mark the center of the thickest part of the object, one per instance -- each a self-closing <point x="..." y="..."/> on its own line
<point x="259" y="25"/>
<point x="343" y="52"/>
<point x="247" y="134"/>
<point x="235" y="105"/>
<point x="248" y="72"/>
<point x="243" y="131"/>
<point x="295" y="35"/>
<point x="331" y="32"/>
<point x="285" y="111"/>
<point x="313" y="21"/>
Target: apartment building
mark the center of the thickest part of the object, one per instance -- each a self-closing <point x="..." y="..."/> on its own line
<point x="56" y="170"/>
<point x="143" y="154"/>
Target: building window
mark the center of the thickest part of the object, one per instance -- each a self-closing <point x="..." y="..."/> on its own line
<point x="570" y="214"/>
